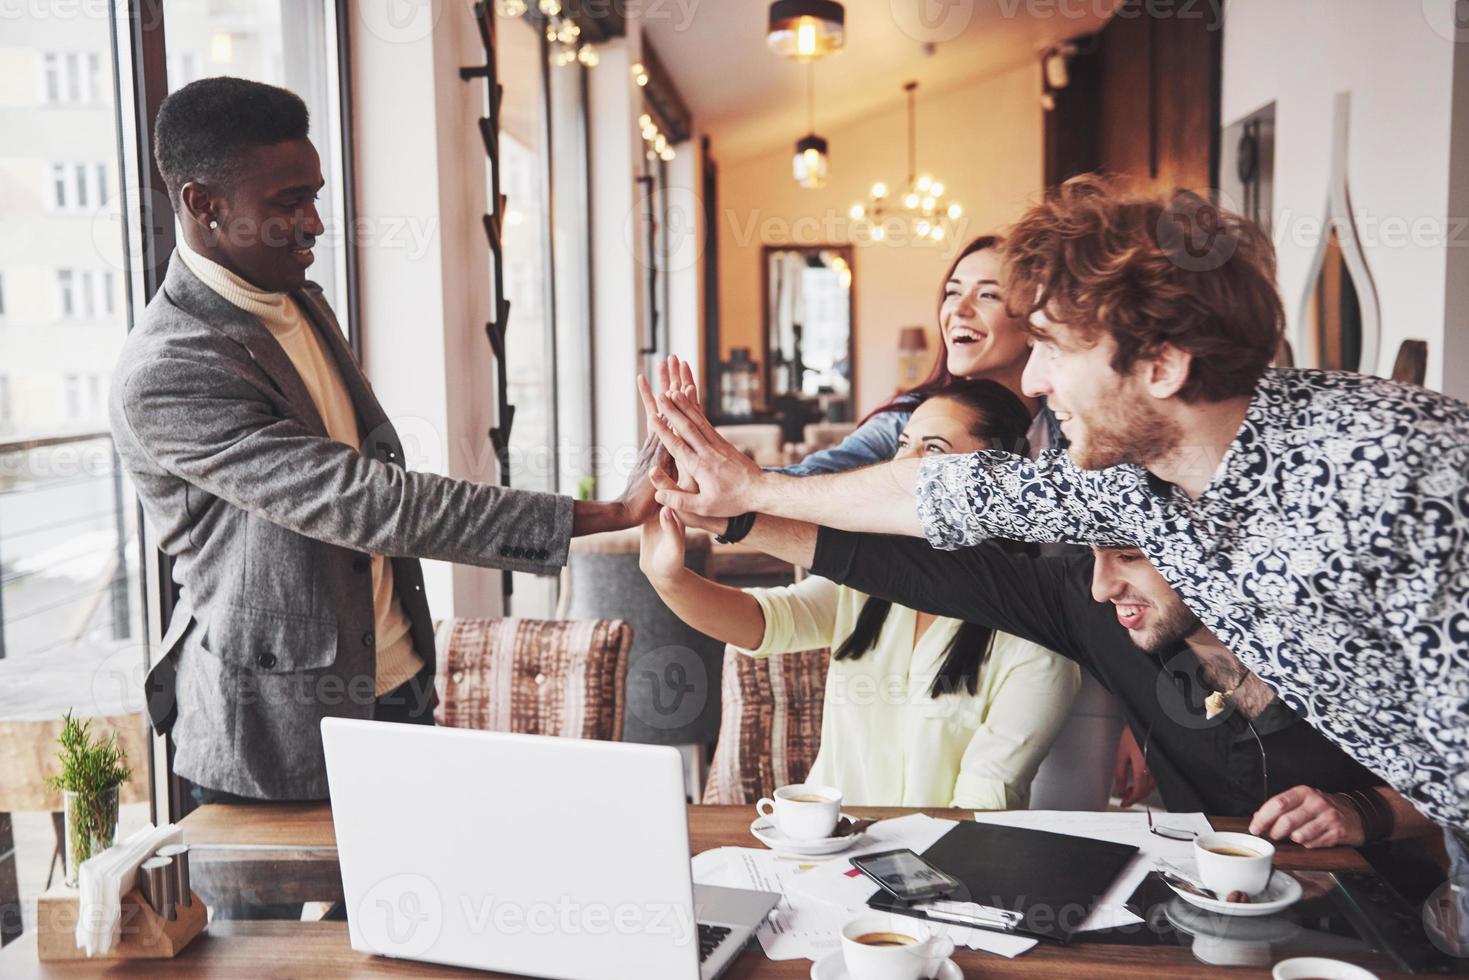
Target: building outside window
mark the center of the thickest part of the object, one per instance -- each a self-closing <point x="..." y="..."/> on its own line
<point x="58" y="187"/>
<point x="73" y="389"/>
<point x="51" y="63"/>
<point x="66" y="289"/>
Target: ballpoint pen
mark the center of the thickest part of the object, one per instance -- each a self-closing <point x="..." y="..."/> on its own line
<point x="972" y="913"/>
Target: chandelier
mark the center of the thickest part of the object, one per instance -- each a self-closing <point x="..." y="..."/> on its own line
<point x="563" y="33"/>
<point x="922" y="210"/>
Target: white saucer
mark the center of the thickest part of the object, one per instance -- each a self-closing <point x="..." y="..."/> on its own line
<point x="767" y="833"/>
<point x="833" y="967"/>
<point x="1282" y="892"/>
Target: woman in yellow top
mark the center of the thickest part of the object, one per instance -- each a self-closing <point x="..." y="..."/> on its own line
<point x="920" y="710"/>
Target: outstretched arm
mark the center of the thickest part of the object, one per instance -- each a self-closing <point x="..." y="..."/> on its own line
<point x="876" y="498"/>
<point x="725" y="613"/>
<point x="780" y="537"/>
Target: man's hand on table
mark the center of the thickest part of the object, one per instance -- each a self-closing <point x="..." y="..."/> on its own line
<point x="1309" y="817"/>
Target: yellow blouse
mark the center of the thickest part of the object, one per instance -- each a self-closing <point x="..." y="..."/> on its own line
<point x="885" y="741"/>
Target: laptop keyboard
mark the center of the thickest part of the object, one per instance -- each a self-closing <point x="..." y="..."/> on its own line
<point x="709" y="939"/>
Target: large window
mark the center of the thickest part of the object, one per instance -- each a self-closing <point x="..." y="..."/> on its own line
<point x="71" y="597"/>
<point x="543" y="176"/>
<point x="73" y="606"/>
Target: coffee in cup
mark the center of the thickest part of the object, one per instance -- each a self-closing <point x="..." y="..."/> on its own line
<point x="803" y="811"/>
<point x="885" y="939"/>
<point x="882" y="946"/>
<point x="1229" y="863"/>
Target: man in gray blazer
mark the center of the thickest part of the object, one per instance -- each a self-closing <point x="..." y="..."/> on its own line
<point x="275" y="480"/>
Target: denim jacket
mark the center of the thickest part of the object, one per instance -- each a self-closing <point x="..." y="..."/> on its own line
<point x="876" y="440"/>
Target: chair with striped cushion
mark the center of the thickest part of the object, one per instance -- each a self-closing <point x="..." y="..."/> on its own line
<point x="770" y="724"/>
<point x="533" y="676"/>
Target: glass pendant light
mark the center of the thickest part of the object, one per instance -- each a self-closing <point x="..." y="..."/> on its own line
<point x="809" y="164"/>
<point x="806" y="29"/>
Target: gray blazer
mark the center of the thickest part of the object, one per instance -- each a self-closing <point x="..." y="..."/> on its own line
<point x="271" y="524"/>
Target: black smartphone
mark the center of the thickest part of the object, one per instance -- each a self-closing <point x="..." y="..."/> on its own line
<point x="906" y="876"/>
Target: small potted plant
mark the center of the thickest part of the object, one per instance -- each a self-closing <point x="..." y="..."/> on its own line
<point x="92" y="773"/>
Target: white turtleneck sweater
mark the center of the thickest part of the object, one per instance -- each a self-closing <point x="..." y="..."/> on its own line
<point x="396" y="659"/>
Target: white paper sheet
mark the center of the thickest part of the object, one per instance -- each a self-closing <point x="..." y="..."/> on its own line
<point x="800" y="927"/>
<point x="808" y="921"/>
<point x="1120" y="828"/>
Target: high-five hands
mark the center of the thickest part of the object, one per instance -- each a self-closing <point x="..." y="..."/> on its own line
<point x="714" y="478"/>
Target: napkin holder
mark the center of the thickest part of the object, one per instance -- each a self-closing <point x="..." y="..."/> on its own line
<point x="144" y="934"/>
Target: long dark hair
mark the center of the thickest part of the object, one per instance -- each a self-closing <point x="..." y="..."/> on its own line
<point x="939" y="377"/>
<point x="1000" y="417"/>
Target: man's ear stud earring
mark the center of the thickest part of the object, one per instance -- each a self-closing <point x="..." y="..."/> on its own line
<point x="214" y="224"/>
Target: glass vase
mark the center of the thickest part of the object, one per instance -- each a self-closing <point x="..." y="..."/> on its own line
<point x="91" y="827"/>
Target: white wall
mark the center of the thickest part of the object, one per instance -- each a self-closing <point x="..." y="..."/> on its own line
<point x="1398" y="68"/>
<point x="685" y="229"/>
<point x="983" y="139"/>
<point x="424" y="275"/>
<point x="1456" y="308"/>
<point x="618" y="274"/>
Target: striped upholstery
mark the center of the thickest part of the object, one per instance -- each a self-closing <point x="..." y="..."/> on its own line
<point x="534" y="676"/>
<point x="770" y="727"/>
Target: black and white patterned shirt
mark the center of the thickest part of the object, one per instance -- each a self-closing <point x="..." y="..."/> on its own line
<point x="1330" y="552"/>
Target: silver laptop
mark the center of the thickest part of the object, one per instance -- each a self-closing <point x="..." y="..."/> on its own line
<point x="540" y="856"/>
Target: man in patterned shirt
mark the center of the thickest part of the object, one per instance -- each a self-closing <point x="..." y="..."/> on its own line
<point x="1317" y="522"/>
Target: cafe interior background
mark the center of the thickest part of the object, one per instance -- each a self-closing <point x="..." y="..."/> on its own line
<point x="678" y="177"/>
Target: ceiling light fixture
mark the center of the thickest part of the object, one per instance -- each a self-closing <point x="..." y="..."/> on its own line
<point x="562" y="32"/>
<point x="810" y="163"/>
<point x="922" y="209"/>
<point x="806" y="30"/>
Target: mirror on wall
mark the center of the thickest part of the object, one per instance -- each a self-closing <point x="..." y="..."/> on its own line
<point x="810" y="351"/>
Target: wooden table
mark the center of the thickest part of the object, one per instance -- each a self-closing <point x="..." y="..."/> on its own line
<point x="320" y="949"/>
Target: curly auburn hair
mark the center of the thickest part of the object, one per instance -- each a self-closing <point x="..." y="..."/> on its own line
<point x="1150" y="271"/>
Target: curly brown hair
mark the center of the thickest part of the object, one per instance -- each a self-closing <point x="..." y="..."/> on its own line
<point x="1150" y="271"/>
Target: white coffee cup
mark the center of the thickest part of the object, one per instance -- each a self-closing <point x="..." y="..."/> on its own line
<point x="1319" y="966"/>
<point x="1226" y="873"/>
<point x="804" y="811"/>
<point x="916" y="951"/>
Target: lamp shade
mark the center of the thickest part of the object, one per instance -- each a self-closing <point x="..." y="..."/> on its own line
<point x="911" y="339"/>
<point x="809" y="163"/>
<point x="806" y="30"/>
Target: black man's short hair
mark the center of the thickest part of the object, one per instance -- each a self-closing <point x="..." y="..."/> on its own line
<point x="203" y="127"/>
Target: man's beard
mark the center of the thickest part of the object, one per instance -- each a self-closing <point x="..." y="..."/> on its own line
<point x="1124" y="429"/>
<point x="1175" y="621"/>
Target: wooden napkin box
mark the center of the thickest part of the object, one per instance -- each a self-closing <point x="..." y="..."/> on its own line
<point x="144" y="933"/>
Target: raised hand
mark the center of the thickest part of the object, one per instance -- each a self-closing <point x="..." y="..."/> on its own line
<point x="637" y="499"/>
<point x="725" y="478"/>
<point x="663" y="481"/>
<point x="661" y="552"/>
